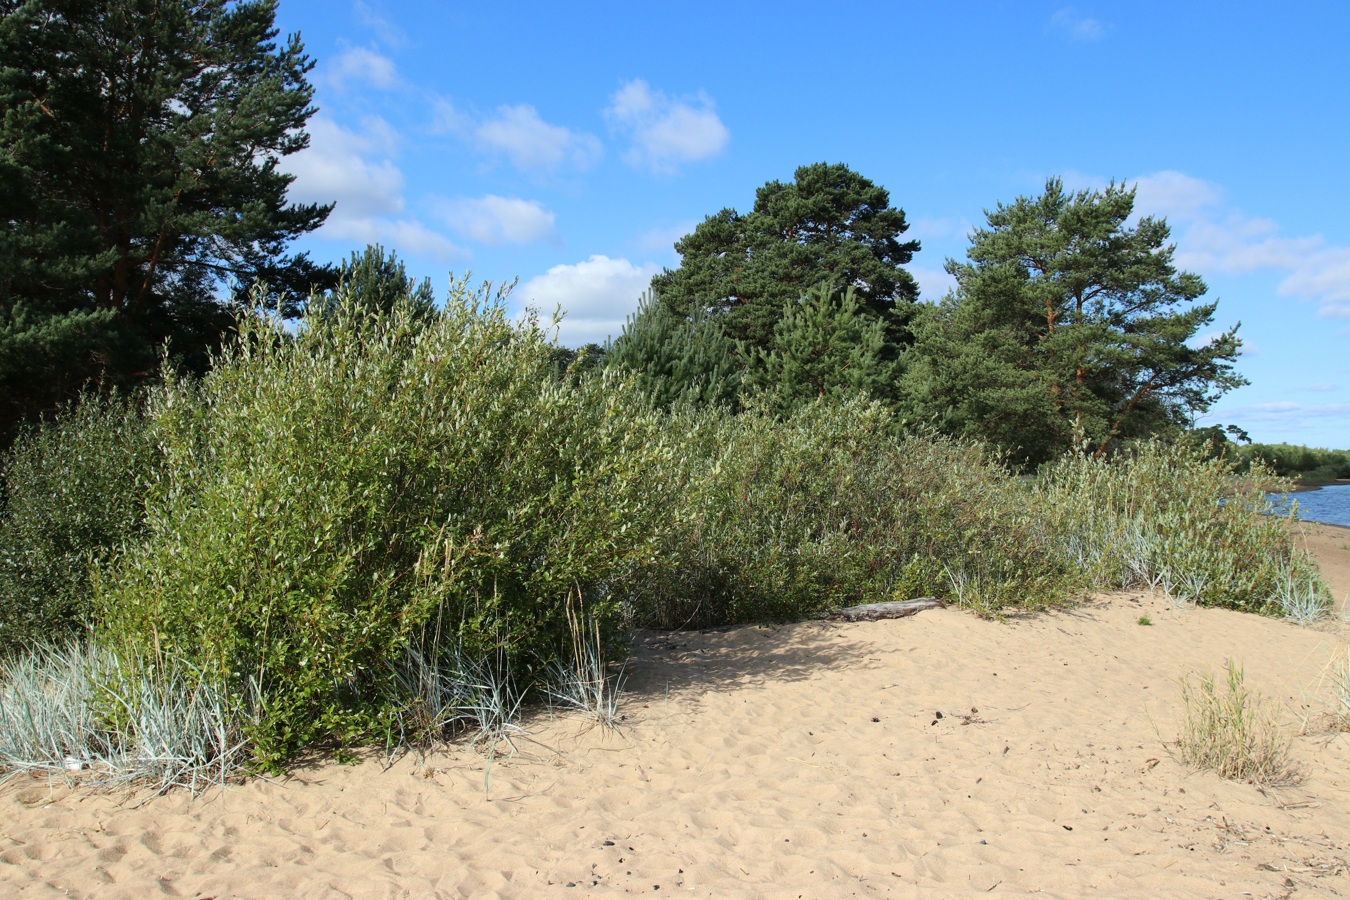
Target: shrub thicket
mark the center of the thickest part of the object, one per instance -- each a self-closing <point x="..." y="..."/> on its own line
<point x="1170" y="516"/>
<point x="327" y="495"/>
<point x="779" y="518"/>
<point x="398" y="518"/>
<point x="73" y="492"/>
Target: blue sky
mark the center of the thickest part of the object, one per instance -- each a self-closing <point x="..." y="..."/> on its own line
<point x="569" y="145"/>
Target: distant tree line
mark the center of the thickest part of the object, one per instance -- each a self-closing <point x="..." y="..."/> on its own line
<point x="1302" y="463"/>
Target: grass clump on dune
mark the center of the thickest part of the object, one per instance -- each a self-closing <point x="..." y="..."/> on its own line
<point x="78" y="711"/>
<point x="1234" y="732"/>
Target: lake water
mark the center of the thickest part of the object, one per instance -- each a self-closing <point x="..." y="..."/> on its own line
<point x="1330" y="504"/>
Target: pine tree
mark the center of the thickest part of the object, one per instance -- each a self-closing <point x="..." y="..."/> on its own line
<point x="829" y="224"/>
<point x="139" y="150"/>
<point x="1067" y="324"/>
<point x="677" y="359"/>
<point x="823" y="346"/>
<point x="379" y="282"/>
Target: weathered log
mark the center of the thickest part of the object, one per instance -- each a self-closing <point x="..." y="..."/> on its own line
<point x="894" y="609"/>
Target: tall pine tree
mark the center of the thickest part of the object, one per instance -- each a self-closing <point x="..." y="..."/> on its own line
<point x="677" y="358"/>
<point x="139" y="150"/>
<point x="829" y="224"/>
<point x="1068" y="324"/>
<point x="824" y="345"/>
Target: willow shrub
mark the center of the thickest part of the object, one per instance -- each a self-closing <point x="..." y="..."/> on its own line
<point x="73" y="492"/>
<point x="1164" y="515"/>
<point x="373" y="482"/>
<point x="782" y="517"/>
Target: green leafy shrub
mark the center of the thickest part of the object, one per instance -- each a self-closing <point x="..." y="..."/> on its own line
<point x="325" y="496"/>
<point x="1169" y="516"/>
<point x="779" y="518"/>
<point x="73" y="491"/>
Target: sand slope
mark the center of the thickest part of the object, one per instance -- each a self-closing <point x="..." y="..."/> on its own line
<point x="808" y="760"/>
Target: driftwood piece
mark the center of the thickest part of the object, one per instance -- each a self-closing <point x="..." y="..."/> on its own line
<point x="894" y="609"/>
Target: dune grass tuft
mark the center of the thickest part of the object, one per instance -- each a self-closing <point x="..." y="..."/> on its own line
<point x="1234" y="732"/>
<point x="80" y="712"/>
<point x="1337" y="675"/>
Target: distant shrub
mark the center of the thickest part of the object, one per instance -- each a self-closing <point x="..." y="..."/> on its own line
<point x="73" y="492"/>
<point x="326" y="495"/>
<point x="1169" y="516"/>
<point x="779" y="518"/>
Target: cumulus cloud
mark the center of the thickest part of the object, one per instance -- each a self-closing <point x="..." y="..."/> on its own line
<point x="1182" y="196"/>
<point x="660" y="241"/>
<point x="926" y="228"/>
<point x="521" y="135"/>
<point x="1288" y="413"/>
<point x="353" y="169"/>
<point x="1215" y="238"/>
<point x="665" y="131"/>
<point x="498" y="220"/>
<point x="532" y="144"/>
<point x="384" y="30"/>
<point x="597" y="295"/>
<point x="1070" y="23"/>
<point x="406" y="235"/>
<point x="338" y="166"/>
<point x="361" y="67"/>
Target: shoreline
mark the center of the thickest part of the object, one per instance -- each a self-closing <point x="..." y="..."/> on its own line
<point x="1301" y="486"/>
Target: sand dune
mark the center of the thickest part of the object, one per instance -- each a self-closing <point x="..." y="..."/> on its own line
<point x="938" y="755"/>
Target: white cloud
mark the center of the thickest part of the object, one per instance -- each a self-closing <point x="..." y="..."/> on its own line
<point x="352" y="169"/>
<point x="933" y="283"/>
<point x="362" y="67"/>
<point x="498" y="220"/>
<point x="531" y="144"/>
<point x="1067" y="21"/>
<point x="597" y="295"/>
<point x="404" y="235"/>
<point x="337" y="167"/>
<point x="666" y="131"/>
<point x="1321" y="387"/>
<point x="1177" y="195"/>
<point x="661" y="240"/>
<point x="385" y="31"/>
<point x="1325" y="275"/>
<point x="926" y="228"/>
<point x="1215" y="238"/>
<point x="1287" y="411"/>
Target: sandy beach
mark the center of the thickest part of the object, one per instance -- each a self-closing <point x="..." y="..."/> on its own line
<point x="938" y="755"/>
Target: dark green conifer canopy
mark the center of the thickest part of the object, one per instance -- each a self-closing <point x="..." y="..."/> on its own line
<point x="139" y="179"/>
